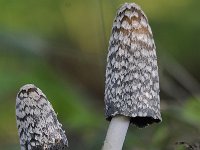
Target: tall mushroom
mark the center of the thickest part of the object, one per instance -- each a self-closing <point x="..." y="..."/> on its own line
<point x="132" y="82"/>
<point x="38" y="127"/>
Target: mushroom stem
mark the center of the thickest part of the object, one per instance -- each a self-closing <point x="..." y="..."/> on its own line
<point x="116" y="133"/>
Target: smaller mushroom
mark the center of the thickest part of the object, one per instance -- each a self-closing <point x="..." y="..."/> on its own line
<point x="132" y="82"/>
<point x="37" y="123"/>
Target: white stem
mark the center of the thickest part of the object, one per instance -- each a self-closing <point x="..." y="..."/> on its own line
<point x="116" y="133"/>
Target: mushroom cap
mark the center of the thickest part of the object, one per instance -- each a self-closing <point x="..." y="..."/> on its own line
<point x="132" y="81"/>
<point x="37" y="123"/>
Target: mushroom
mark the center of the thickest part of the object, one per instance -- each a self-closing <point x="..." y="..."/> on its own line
<point x="37" y="123"/>
<point x="132" y="82"/>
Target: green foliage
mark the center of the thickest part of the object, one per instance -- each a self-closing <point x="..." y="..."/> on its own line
<point x="191" y="112"/>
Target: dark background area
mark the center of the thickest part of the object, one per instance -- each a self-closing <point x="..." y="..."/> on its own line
<point x="61" y="47"/>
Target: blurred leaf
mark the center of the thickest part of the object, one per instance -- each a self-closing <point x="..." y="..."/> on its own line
<point x="191" y="112"/>
<point x="160" y="135"/>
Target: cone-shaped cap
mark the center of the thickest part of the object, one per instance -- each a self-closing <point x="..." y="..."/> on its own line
<point x="132" y="82"/>
<point x="38" y="127"/>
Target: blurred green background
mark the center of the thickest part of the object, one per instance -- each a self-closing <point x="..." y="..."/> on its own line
<point x="61" y="47"/>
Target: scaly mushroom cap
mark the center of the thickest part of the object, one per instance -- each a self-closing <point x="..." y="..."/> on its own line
<point x="132" y="82"/>
<point x="38" y="127"/>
